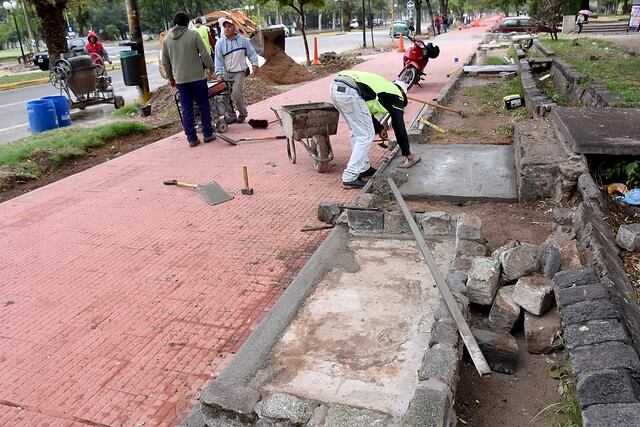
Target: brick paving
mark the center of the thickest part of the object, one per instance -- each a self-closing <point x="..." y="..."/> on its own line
<point x="120" y="297"/>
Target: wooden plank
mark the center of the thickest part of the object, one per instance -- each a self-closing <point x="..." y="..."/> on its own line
<point x="490" y="68"/>
<point x="463" y="328"/>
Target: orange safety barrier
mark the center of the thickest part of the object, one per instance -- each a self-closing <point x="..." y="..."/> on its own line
<point x="316" y="61"/>
<point x="401" y="44"/>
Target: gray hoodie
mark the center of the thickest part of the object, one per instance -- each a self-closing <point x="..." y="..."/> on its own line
<point x="183" y="53"/>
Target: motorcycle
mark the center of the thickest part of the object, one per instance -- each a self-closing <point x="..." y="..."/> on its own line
<point x="415" y="60"/>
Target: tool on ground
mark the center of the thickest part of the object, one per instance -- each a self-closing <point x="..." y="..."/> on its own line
<point x="261" y="123"/>
<point x="513" y="101"/>
<point x="247" y="191"/>
<point x="226" y="139"/>
<point x="436" y="105"/>
<point x="212" y="192"/>
<point x="262" y="138"/>
<point x="455" y="70"/>
<point x="465" y="332"/>
<point x="431" y="125"/>
<point x="316" y="228"/>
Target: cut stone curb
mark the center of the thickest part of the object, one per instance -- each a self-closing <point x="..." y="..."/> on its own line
<point x="469" y="228"/>
<point x="542" y="333"/>
<point x="594" y="332"/>
<point x="500" y="349"/>
<point x="551" y="261"/>
<point x="534" y="294"/>
<point x="280" y="406"/>
<point x="611" y="355"/>
<point x="347" y="416"/>
<point x="432" y="405"/>
<point x="607" y="387"/>
<point x="435" y="224"/>
<point x="612" y="415"/>
<point x="576" y="294"/>
<point x="440" y="364"/>
<point x="575" y="277"/>
<point x="504" y="312"/>
<point x="483" y="280"/>
<point x="581" y="312"/>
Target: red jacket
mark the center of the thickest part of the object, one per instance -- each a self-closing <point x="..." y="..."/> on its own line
<point x="96" y="47"/>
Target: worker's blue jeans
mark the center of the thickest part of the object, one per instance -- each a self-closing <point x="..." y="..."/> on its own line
<point x="190" y="92"/>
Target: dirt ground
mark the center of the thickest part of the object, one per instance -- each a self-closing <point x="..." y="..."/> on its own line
<point x="630" y="41"/>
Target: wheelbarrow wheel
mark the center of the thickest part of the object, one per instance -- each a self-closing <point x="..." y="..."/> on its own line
<point x="321" y="152"/>
<point x="291" y="150"/>
<point x="118" y="102"/>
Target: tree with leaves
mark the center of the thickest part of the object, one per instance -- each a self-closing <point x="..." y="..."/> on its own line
<point x="547" y="15"/>
<point x="54" y="29"/>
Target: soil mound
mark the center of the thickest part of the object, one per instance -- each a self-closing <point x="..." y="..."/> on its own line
<point x="256" y="90"/>
<point x="162" y="99"/>
<point x="281" y="69"/>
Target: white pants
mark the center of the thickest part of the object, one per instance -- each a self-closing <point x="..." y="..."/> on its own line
<point x="355" y="112"/>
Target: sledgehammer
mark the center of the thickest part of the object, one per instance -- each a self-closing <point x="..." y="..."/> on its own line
<point x="436" y="105"/>
<point x="247" y="191"/>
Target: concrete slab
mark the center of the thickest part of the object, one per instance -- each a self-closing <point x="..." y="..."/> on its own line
<point x="360" y="337"/>
<point x="461" y="171"/>
<point x="614" y="131"/>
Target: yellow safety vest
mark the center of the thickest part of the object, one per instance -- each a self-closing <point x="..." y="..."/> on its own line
<point x="378" y="84"/>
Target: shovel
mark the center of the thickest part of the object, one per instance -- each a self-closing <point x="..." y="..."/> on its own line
<point x="262" y="138"/>
<point x="212" y="192"/>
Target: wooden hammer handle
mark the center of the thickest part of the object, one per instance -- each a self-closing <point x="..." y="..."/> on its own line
<point x="436" y="105"/>
<point x="245" y="175"/>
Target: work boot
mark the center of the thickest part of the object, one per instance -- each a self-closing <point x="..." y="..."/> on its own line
<point x="356" y="183"/>
<point x="241" y="119"/>
<point x="369" y="172"/>
<point x="210" y="138"/>
<point x="194" y="143"/>
<point x="230" y="119"/>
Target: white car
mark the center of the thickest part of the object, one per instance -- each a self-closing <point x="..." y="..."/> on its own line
<point x="284" y="27"/>
<point x="354" y="23"/>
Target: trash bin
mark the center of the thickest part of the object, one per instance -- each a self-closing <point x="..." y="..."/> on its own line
<point x="42" y="115"/>
<point x="130" y="69"/>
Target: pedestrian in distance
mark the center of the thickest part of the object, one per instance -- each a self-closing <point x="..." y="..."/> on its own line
<point x="445" y="23"/>
<point x="207" y="37"/>
<point x="437" y="21"/>
<point x="183" y="56"/>
<point x="231" y="54"/>
<point x="361" y="96"/>
<point x="580" y="22"/>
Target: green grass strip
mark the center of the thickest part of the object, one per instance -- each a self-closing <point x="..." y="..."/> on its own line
<point x="17" y="78"/>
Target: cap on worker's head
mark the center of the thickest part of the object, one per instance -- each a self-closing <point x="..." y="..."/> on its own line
<point x="198" y="21"/>
<point x="402" y="85"/>
<point x="223" y="20"/>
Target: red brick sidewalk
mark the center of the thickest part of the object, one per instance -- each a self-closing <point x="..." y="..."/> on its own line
<point x="120" y="297"/>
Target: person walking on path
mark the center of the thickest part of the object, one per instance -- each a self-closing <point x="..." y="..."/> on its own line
<point x="360" y="96"/>
<point x="438" y="22"/>
<point x="445" y="23"/>
<point x="231" y="54"/>
<point x="580" y="22"/>
<point x="207" y="37"/>
<point x="183" y="54"/>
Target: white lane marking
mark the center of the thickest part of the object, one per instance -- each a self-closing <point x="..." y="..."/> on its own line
<point x="12" y="104"/>
<point x="14" y="127"/>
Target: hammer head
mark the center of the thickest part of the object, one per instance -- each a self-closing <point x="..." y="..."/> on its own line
<point x="247" y="191"/>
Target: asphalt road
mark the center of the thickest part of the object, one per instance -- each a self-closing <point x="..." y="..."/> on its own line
<point x="13" y="102"/>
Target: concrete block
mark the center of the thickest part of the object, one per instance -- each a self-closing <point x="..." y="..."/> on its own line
<point x="282" y="406"/>
<point x="520" y="261"/>
<point x="574" y="294"/>
<point x="594" y="332"/>
<point x="542" y="333"/>
<point x="504" y="312"/>
<point x="366" y="221"/>
<point x="395" y="222"/>
<point x="483" y="280"/>
<point x="601" y="387"/>
<point x="469" y="227"/>
<point x="435" y="224"/>
<point x="432" y="405"/>
<point x="329" y="212"/>
<point x="441" y="364"/>
<point x="581" y="312"/>
<point x="575" y="277"/>
<point x="612" y="415"/>
<point x="470" y="248"/>
<point x="534" y="294"/>
<point x="551" y="261"/>
<point x="347" y="416"/>
<point x="499" y="348"/>
<point x="628" y="237"/>
<point x="611" y="355"/>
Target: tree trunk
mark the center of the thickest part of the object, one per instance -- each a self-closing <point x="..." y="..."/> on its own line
<point x="418" y="17"/>
<point x="54" y="30"/>
<point x="625" y="7"/>
<point x="80" y="20"/>
<point x="430" y="10"/>
<point x="584" y="4"/>
<point x="303" y="29"/>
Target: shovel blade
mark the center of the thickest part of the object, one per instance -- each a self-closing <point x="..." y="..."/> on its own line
<point x="214" y="194"/>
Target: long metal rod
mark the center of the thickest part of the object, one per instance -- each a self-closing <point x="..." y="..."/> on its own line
<point x="469" y="340"/>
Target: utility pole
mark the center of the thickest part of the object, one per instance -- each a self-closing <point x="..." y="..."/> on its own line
<point x="364" y="27"/>
<point x="133" y="13"/>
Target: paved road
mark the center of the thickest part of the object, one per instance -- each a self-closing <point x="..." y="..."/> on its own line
<point x="13" y="102"/>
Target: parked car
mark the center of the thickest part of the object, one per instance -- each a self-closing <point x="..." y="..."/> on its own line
<point x="354" y="24"/>
<point x="518" y="24"/>
<point x="378" y="22"/>
<point x="397" y="28"/>
<point x="76" y="48"/>
<point x="284" y="27"/>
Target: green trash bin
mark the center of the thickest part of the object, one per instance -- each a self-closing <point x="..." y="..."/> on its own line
<point x="130" y="69"/>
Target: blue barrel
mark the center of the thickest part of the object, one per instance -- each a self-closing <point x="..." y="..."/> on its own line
<point x="42" y="115"/>
<point x="61" y="103"/>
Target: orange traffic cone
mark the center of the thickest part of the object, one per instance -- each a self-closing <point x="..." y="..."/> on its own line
<point x="316" y="61"/>
<point x="401" y="44"/>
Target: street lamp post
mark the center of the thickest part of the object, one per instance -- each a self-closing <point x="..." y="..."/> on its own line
<point x="9" y="6"/>
<point x="364" y="27"/>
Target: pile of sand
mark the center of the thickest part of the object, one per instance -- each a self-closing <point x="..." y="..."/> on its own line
<point x="162" y="99"/>
<point x="281" y="69"/>
<point x="256" y="90"/>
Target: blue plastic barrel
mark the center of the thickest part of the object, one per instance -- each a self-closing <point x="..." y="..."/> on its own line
<point x="42" y="115"/>
<point x="61" y="103"/>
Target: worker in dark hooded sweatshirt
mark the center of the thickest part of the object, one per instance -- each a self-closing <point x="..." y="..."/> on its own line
<point x="360" y="96"/>
<point x="183" y="54"/>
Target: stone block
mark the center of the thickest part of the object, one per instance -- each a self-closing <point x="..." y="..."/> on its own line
<point x="318" y="417"/>
<point x="282" y="406"/>
<point x="563" y="216"/>
<point x="551" y="261"/>
<point x="194" y="419"/>
<point x="220" y="397"/>
<point x="594" y="332"/>
<point x="442" y="312"/>
<point x="395" y="222"/>
<point x="628" y="237"/>
<point x="348" y="416"/>
<point x="574" y="294"/>
<point x="534" y="294"/>
<point x="504" y="312"/>
<point x="435" y="224"/>
<point x="469" y="227"/>
<point x="611" y="355"/>
<point x="497" y="254"/>
<point x="366" y="221"/>
<point x="612" y="415"/>
<point x="444" y="334"/>
<point x="329" y="212"/>
<point x="499" y="348"/>
<point x="432" y="405"/>
<point x="575" y="277"/>
<point x="589" y="190"/>
<point x="581" y="312"/>
<point x="569" y="255"/>
<point x="462" y="263"/>
<point x="483" y="280"/>
<point x="520" y="261"/>
<point x="542" y="333"/>
<point x="470" y="248"/>
<point x="601" y="387"/>
<point x="441" y="364"/>
<point x="457" y="281"/>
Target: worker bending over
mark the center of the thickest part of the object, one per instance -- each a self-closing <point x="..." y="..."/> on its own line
<point x="360" y="96"/>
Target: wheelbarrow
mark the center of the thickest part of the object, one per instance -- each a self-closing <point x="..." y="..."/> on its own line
<point x="311" y="125"/>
